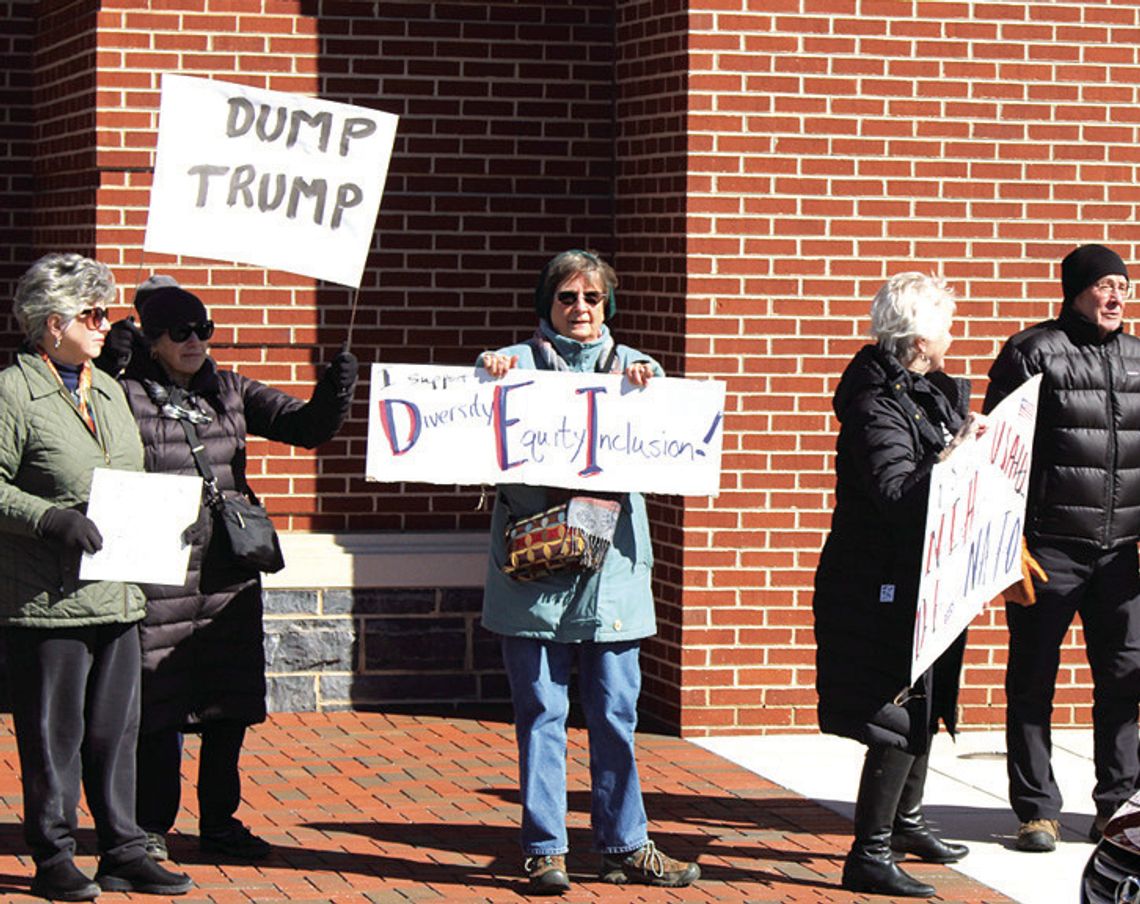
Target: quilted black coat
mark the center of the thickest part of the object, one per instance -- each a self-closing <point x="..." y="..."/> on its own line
<point x="893" y="424"/>
<point x="1084" y="484"/>
<point x="203" y="654"/>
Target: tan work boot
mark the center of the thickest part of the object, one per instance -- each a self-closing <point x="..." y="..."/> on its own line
<point x="648" y="865"/>
<point x="1038" y="835"/>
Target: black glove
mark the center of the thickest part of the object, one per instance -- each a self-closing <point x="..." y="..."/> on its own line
<point x="119" y="346"/>
<point x="71" y="528"/>
<point x="341" y="373"/>
<point x="196" y="533"/>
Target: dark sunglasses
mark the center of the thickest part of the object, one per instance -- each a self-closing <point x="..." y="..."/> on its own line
<point x="182" y="332"/>
<point x="93" y="318"/>
<point x="593" y="299"/>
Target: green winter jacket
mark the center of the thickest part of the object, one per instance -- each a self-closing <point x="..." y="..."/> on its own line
<point x="47" y="455"/>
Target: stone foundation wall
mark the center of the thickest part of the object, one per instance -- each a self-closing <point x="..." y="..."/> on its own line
<point x="331" y="649"/>
<point x="359" y="621"/>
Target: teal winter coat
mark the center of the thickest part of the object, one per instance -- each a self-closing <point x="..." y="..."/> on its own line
<point x="614" y="604"/>
<point x="47" y="456"/>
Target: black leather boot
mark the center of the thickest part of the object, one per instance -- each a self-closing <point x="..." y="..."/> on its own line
<point x="870" y="866"/>
<point x="911" y="833"/>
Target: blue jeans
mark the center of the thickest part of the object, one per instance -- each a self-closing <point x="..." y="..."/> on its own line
<point x="609" y="680"/>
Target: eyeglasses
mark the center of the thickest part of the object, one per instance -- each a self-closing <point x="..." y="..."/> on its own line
<point x="93" y="318"/>
<point x="182" y="332"/>
<point x="1123" y="288"/>
<point x="593" y="299"/>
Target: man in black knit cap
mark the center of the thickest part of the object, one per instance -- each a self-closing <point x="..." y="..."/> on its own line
<point x="1081" y="530"/>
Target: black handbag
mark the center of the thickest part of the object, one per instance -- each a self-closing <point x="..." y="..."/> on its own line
<point x="250" y="531"/>
<point x="252" y="537"/>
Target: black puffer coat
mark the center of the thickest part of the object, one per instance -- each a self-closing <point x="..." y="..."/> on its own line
<point x="1084" y="486"/>
<point x="203" y="654"/>
<point x="893" y="424"/>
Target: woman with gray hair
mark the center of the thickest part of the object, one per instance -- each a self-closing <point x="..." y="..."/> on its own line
<point x="899" y="414"/>
<point x="72" y="646"/>
<point x="591" y="621"/>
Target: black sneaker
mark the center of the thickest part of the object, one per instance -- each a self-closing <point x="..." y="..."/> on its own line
<point x="63" y="881"/>
<point x="234" y="841"/>
<point x="649" y="866"/>
<point x="156" y="846"/>
<point x="144" y="876"/>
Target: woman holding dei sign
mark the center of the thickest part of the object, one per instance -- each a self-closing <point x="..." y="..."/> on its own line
<point x="899" y="414"/>
<point x="72" y="646"/>
<point x="593" y="615"/>
<point x="203" y="666"/>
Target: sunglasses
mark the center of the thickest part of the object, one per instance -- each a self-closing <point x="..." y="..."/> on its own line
<point x="93" y="318"/>
<point x="593" y="299"/>
<point x="182" y="332"/>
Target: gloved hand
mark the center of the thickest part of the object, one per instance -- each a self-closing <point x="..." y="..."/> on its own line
<point x="71" y="528"/>
<point x="119" y="345"/>
<point x="342" y="372"/>
<point x="1023" y="593"/>
<point x="197" y="532"/>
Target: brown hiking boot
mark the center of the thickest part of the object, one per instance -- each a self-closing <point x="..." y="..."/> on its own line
<point x="1038" y="835"/>
<point x="547" y="874"/>
<point x="648" y="865"/>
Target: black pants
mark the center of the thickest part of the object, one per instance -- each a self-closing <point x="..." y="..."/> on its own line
<point x="75" y="706"/>
<point x="1104" y="587"/>
<point x="160" y="777"/>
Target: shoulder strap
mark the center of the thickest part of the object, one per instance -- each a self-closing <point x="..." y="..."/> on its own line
<point x="607" y="367"/>
<point x="213" y="497"/>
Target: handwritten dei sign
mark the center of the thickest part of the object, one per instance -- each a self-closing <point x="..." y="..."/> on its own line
<point x="457" y="425"/>
<point x="263" y="177"/>
<point x="974" y="522"/>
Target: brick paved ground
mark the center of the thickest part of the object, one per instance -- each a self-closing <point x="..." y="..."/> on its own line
<point x="374" y="808"/>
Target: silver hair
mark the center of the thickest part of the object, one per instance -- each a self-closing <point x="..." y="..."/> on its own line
<point x="62" y="284"/>
<point x="911" y="306"/>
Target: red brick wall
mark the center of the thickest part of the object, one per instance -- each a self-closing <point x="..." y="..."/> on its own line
<point x="649" y="185"/>
<point x="16" y="186"/>
<point x="836" y="143"/>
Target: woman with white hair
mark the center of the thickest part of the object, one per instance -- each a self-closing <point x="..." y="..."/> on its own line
<point x="72" y="646"/>
<point x="899" y="414"/>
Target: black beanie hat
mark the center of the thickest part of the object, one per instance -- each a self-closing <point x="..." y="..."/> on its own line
<point x="147" y="287"/>
<point x="1085" y="265"/>
<point x="169" y="306"/>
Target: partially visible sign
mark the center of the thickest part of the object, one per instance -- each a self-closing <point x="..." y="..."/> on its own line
<point x="457" y="425"/>
<point x="263" y="177"/>
<point x="974" y="523"/>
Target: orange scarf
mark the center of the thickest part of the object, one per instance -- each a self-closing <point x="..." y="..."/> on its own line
<point x="82" y="391"/>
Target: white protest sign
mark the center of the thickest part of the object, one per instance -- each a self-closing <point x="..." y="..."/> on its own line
<point x="278" y="180"/>
<point x="457" y="425"/>
<point x="974" y="520"/>
<point x="142" y="550"/>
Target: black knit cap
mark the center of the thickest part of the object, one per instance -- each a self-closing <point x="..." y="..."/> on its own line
<point x="169" y="306"/>
<point x="149" y="285"/>
<point x="1085" y="265"/>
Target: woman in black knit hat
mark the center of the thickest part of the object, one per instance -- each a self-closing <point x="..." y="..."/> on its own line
<point x="203" y="656"/>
